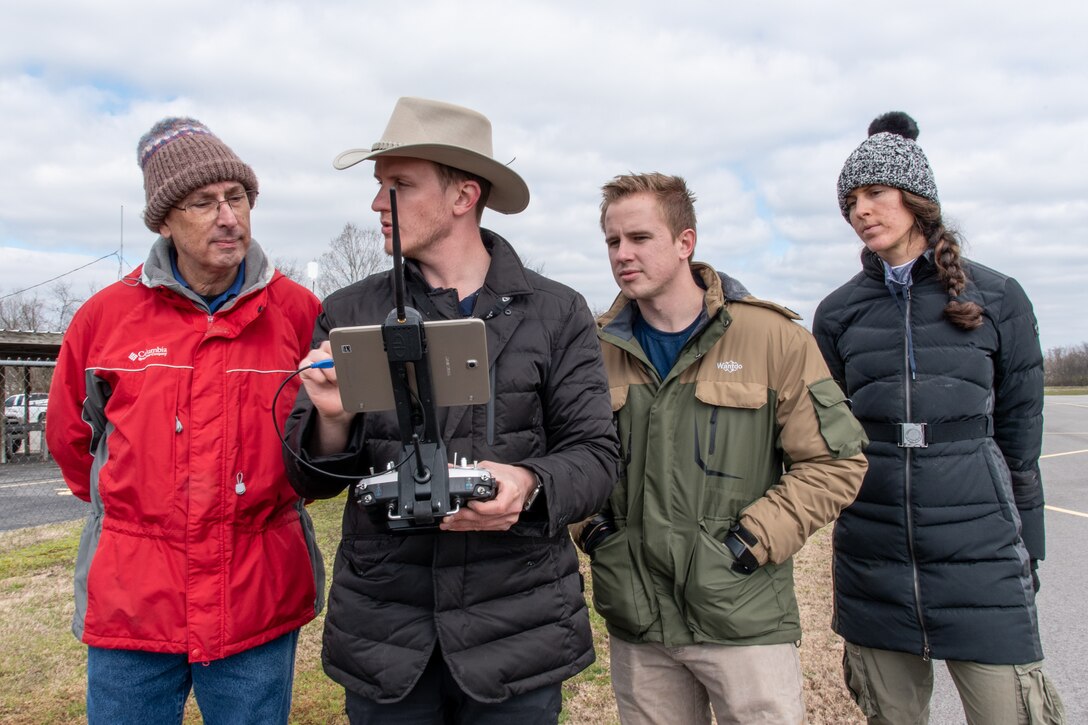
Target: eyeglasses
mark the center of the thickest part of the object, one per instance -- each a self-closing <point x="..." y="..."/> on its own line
<point x="209" y="208"/>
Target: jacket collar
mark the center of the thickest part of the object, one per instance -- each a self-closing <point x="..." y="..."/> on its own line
<point x="873" y="266"/>
<point x="720" y="290"/>
<point x="506" y="279"/>
<point x="157" y="272"/>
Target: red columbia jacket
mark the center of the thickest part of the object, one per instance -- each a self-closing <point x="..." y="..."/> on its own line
<point x="160" y="415"/>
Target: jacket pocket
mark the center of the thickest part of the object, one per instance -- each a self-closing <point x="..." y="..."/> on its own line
<point x="734" y="447"/>
<point x="1038" y="700"/>
<point x="142" y="461"/>
<point x="721" y="604"/>
<point x="257" y="482"/>
<point x="840" y="429"/>
<point x="858" y="679"/>
<point x="618" y="592"/>
<point x="731" y="395"/>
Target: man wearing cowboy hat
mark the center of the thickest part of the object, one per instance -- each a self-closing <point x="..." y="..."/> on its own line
<point x="482" y="620"/>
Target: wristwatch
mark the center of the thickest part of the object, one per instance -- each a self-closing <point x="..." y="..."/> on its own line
<point x="737" y="541"/>
<point x="533" y="494"/>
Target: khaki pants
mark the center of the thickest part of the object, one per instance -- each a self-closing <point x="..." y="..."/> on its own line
<point x="894" y="688"/>
<point x="658" y="685"/>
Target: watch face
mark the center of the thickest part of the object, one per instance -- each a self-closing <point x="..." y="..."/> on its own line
<point x="532" y="497"/>
<point x="744" y="560"/>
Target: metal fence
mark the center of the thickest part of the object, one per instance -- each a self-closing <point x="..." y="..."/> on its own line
<point x="32" y="491"/>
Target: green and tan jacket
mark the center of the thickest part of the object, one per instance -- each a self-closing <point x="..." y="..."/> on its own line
<point x="748" y="424"/>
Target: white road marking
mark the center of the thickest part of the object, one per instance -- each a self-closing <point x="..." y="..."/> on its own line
<point x="1067" y="453"/>
<point x="31" y="483"/>
<point x="1066" y="511"/>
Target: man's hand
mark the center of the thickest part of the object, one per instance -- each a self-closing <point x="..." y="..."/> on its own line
<point x="333" y="422"/>
<point x="500" y="513"/>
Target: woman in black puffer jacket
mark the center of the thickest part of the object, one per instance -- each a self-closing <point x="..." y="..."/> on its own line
<point x="937" y="557"/>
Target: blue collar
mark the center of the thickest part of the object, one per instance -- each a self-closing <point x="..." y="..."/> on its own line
<point x="214" y="303"/>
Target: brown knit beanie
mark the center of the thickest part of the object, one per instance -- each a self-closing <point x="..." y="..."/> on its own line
<point x="179" y="155"/>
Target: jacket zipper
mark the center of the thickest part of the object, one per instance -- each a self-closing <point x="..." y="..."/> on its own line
<point x="907" y="484"/>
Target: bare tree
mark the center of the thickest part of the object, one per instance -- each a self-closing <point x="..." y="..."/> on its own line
<point x="1066" y="366"/>
<point x="64" y="304"/>
<point x="33" y="313"/>
<point x="23" y="312"/>
<point x="292" y="268"/>
<point x="532" y="265"/>
<point x="354" y="254"/>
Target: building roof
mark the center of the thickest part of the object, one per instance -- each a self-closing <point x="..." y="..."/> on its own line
<point x="26" y="345"/>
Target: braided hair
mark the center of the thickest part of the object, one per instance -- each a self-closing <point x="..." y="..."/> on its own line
<point x="946" y="244"/>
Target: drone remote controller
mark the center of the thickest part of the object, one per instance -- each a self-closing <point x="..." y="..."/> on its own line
<point x="466" y="483"/>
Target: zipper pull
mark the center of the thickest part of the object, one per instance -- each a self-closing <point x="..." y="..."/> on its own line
<point x="240" y="485"/>
<point x="177" y="425"/>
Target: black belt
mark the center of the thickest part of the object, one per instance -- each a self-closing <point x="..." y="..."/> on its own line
<point x="920" y="435"/>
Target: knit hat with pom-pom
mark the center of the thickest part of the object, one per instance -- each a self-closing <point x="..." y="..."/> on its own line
<point x="180" y="155"/>
<point x="890" y="157"/>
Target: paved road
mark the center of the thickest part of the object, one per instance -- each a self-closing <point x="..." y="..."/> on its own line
<point x="1064" y="574"/>
<point x="33" y="494"/>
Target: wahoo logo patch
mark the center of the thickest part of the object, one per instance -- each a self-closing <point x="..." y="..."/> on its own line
<point x="730" y="366"/>
<point x="145" y="354"/>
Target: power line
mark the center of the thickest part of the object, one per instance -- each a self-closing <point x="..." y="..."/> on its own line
<point x="115" y="253"/>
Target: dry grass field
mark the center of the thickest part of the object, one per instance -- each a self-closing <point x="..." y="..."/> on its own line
<point x="42" y="667"/>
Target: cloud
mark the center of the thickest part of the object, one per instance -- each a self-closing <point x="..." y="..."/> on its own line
<point x="757" y="106"/>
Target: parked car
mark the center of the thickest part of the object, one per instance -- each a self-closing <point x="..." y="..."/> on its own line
<point x="19" y="405"/>
<point x="14" y="434"/>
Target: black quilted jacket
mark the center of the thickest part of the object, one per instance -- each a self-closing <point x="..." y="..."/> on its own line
<point x="506" y="607"/>
<point x="933" y="558"/>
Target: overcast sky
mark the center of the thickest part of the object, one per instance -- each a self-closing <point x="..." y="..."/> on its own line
<point x="757" y="105"/>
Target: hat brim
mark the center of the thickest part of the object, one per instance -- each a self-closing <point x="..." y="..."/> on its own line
<point x="509" y="192"/>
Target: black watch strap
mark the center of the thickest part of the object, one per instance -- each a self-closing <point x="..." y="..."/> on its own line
<point x="737" y="541"/>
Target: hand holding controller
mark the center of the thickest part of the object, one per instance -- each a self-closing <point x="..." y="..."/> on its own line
<point x="466" y="483"/>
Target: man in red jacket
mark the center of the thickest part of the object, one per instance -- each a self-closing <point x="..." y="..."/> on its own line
<point x="197" y="564"/>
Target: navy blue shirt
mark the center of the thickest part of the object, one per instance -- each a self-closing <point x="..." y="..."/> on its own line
<point x="468" y="304"/>
<point x="662" y="348"/>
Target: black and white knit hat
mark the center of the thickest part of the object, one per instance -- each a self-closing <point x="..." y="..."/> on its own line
<point x="890" y="157"/>
<point x="180" y="155"/>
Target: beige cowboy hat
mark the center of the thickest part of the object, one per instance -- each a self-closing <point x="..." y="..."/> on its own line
<point x="447" y="134"/>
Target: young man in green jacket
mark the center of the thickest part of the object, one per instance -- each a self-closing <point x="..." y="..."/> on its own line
<point x="738" y="446"/>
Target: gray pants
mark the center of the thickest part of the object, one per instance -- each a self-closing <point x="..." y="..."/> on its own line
<point x="894" y="688"/>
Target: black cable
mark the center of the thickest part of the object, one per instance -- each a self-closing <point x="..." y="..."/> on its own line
<point x="321" y="364"/>
<point x="54" y="279"/>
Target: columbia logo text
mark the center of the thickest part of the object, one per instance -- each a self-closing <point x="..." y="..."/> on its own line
<point x="730" y="366"/>
<point x="145" y="354"/>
